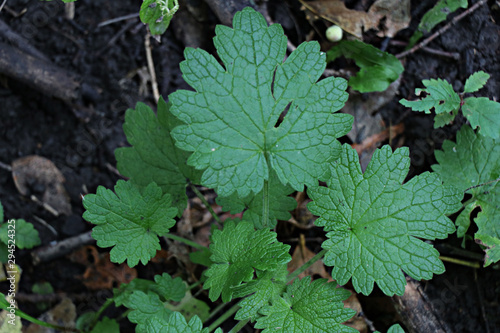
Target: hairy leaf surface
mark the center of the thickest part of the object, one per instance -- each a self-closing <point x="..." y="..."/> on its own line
<point x="237" y="251"/>
<point x="130" y="221"/>
<point x="307" y="307"/>
<point x="472" y="164"/>
<point x="374" y="221"/>
<point x="233" y="124"/>
<point x="153" y="156"/>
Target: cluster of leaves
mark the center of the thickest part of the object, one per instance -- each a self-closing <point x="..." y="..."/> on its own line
<point x="472" y="164"/>
<point x="378" y="69"/>
<point x="158" y="14"/>
<point x="480" y="111"/>
<point x="255" y="129"/>
<point x="24" y="237"/>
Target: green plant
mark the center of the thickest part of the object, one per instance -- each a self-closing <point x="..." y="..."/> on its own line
<point x="472" y="164"/>
<point x="256" y="130"/>
<point x="15" y="233"/>
<point x="480" y="111"/>
<point x="378" y="69"/>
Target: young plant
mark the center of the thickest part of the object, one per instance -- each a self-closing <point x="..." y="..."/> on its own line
<point x="255" y="129"/>
<point x="480" y="111"/>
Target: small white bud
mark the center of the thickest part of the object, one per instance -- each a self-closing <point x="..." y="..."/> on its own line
<point x="334" y="33"/>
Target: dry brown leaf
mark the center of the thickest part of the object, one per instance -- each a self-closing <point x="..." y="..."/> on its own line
<point x="394" y="14"/>
<point x="301" y="255"/>
<point x="101" y="273"/>
<point x="357" y="322"/>
<point x="37" y="175"/>
<point x="63" y="314"/>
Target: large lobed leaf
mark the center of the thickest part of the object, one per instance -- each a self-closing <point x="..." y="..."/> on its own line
<point x="130" y="220"/>
<point x="153" y="156"/>
<point x="472" y="164"/>
<point x="231" y="118"/>
<point x="307" y="307"/>
<point x="374" y="221"/>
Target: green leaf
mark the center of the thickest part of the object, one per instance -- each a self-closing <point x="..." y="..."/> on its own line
<point x="190" y="307"/>
<point x="472" y="165"/>
<point x="201" y="257"/>
<point x="1" y="213"/>
<point x="483" y="113"/>
<point x="307" y="307"/>
<point x="25" y="236"/>
<point x="267" y="286"/>
<point x="106" y="325"/>
<point x="232" y="115"/>
<point x="237" y="251"/>
<point x="435" y="16"/>
<point x="158" y="14"/>
<point x="280" y="204"/>
<point x="131" y="221"/>
<point x="153" y="156"/>
<point x="121" y="295"/>
<point x="476" y="81"/>
<point x="146" y="307"/>
<point x="440" y="96"/>
<point x="374" y="221"/>
<point x="378" y="69"/>
<point x="168" y="288"/>
<point x="176" y="323"/>
<point x="492" y="245"/>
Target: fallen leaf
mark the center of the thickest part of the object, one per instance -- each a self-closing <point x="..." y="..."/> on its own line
<point x="301" y="255"/>
<point x="38" y="176"/>
<point x="101" y="273"/>
<point x="385" y="16"/>
<point x="63" y="314"/>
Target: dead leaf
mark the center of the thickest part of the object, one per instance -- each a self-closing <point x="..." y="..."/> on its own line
<point x="385" y="16"/>
<point x="396" y="14"/>
<point x="357" y="321"/>
<point x="36" y="175"/>
<point x="301" y="255"/>
<point x="101" y="273"/>
<point x="63" y="314"/>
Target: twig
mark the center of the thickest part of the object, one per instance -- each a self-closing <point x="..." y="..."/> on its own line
<point x="3" y="4"/>
<point x="118" y="19"/>
<point x="442" y="30"/>
<point x="50" y="252"/>
<point x="453" y="55"/>
<point x="46" y="225"/>
<point x="5" y="166"/>
<point x="46" y="206"/>
<point x="151" y="66"/>
<point x="20" y="42"/>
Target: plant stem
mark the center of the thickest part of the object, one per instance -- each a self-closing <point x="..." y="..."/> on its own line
<point x="460" y="262"/>
<point x="224" y="317"/>
<point x="265" y="204"/>
<point x="239" y="326"/>
<point x="186" y="241"/>
<point x="215" y="311"/>
<point x="205" y="202"/>
<point x="306" y="265"/>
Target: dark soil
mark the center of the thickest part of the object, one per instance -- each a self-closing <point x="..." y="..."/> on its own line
<point x="107" y="60"/>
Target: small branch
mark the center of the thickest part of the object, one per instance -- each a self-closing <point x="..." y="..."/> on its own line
<point x="3" y="4"/>
<point x="306" y="265"/>
<point x="50" y="252"/>
<point x="453" y="55"/>
<point x="118" y="19"/>
<point x="442" y="30"/>
<point x="185" y="241"/>
<point x="205" y="202"/>
<point x="151" y="66"/>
